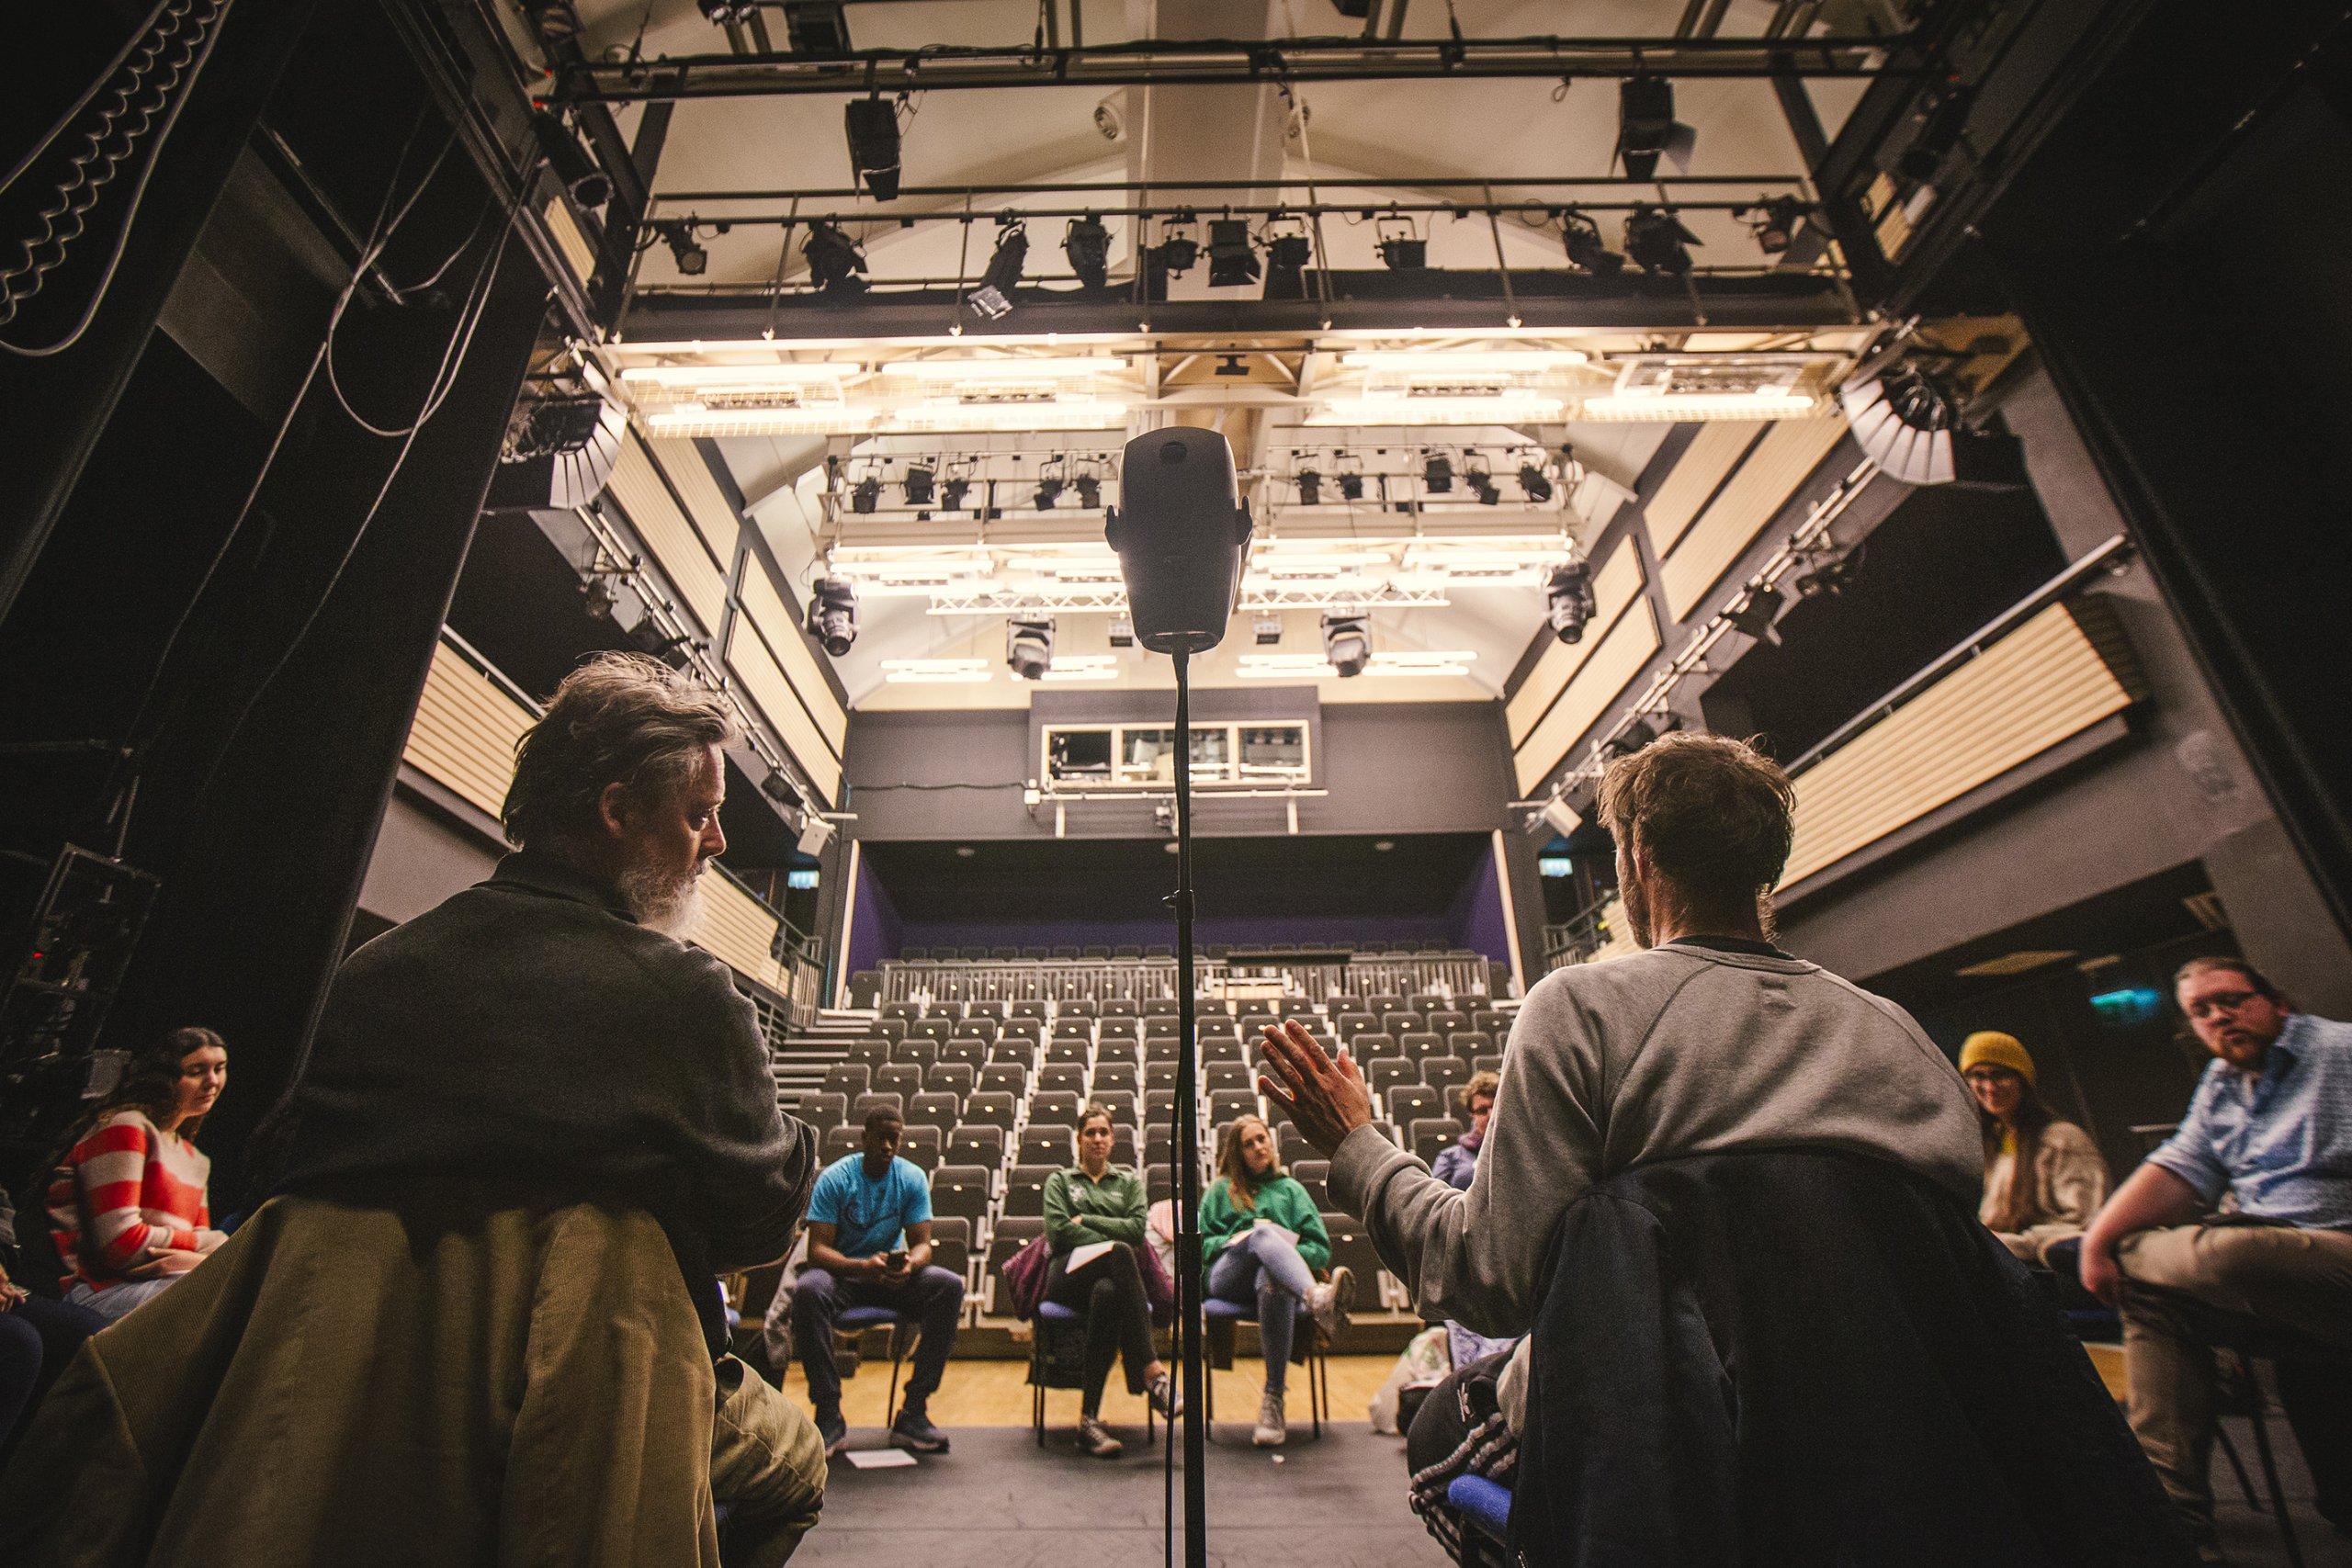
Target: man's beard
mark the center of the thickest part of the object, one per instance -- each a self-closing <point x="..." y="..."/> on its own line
<point x="664" y="899"/>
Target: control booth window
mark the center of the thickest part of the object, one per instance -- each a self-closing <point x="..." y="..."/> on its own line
<point x="1138" y="756"/>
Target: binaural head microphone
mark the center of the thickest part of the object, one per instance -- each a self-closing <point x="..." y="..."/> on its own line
<point x="1181" y="531"/>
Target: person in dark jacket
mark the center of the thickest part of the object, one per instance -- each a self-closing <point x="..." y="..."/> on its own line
<point x="550" y="1028"/>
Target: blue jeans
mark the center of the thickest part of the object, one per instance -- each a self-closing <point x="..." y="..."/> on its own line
<point x="1262" y="1267"/>
<point x="38" y="1337"/>
<point x="114" y="1303"/>
<point x="935" y="1298"/>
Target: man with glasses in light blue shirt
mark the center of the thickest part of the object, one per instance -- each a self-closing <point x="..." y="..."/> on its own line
<point x="2270" y="1129"/>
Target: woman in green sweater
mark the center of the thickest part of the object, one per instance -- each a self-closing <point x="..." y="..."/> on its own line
<point x="1096" y="1202"/>
<point x="1261" y="1239"/>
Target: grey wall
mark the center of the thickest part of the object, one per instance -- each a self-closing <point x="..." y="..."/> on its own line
<point x="1389" y="768"/>
<point x="2176" y="790"/>
<point x="423" y="854"/>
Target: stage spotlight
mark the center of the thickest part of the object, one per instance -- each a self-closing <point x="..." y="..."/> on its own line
<point x="1310" y="487"/>
<point x="1233" y="260"/>
<point x="919" y="484"/>
<point x="1090" y="491"/>
<point x="570" y="163"/>
<point x="1437" y="472"/>
<point x="1938" y="135"/>
<point x="1482" y="485"/>
<point x="873" y="129"/>
<point x="1401" y="250"/>
<point x="1903" y="417"/>
<point x="1646" y="128"/>
<point x="1351" y="486"/>
<point x="951" y="492"/>
<point x="817" y="30"/>
<point x="1122" y="632"/>
<point x="1533" y="483"/>
<point x="691" y="259"/>
<point x="1640" y="731"/>
<point x="1267" y="629"/>
<point x="1756" y="614"/>
<point x="866" y="494"/>
<point x="1826" y="580"/>
<point x="1774" y="222"/>
<point x="1568" y="601"/>
<point x="1288" y="250"/>
<point x="1347" y="643"/>
<point x="834" y="260"/>
<point x="1656" y="240"/>
<point x="720" y="13"/>
<point x="1029" y="647"/>
<point x="1087" y="244"/>
<point x="1178" y="250"/>
<point x="992" y="300"/>
<point x="1587" y="252"/>
<point x="1050" y="490"/>
<point x="832" y="614"/>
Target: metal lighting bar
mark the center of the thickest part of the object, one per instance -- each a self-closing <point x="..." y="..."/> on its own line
<point x="1694" y="653"/>
<point x="1125" y="188"/>
<point x="1239" y="61"/>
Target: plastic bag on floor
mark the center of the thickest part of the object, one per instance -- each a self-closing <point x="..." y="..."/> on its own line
<point x="1424" y="1364"/>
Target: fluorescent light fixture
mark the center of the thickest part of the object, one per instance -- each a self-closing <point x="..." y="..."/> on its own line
<point x="1613" y="405"/>
<point x="798" y="372"/>
<point x="936" y="672"/>
<point x="1313" y="666"/>
<point x="802" y="880"/>
<point x="1003" y="369"/>
<point x="1556" y="865"/>
<point x="694" y="420"/>
<point x="1083" y="667"/>
<point x="1446" y="360"/>
<point x="1401" y="411"/>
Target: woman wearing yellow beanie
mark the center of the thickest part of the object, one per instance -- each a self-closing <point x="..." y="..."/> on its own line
<point x="2063" y="1180"/>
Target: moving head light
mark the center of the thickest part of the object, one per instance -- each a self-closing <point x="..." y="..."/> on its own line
<point x="1181" y="535"/>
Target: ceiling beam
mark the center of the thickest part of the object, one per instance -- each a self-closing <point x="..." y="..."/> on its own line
<point x="1228" y="61"/>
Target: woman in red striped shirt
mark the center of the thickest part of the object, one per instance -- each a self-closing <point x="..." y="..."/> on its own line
<point x="128" y="1206"/>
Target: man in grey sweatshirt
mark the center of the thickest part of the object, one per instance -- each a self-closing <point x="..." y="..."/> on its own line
<point x="1710" y="1039"/>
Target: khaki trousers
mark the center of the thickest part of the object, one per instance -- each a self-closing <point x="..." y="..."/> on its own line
<point x="767" y="1466"/>
<point x="2301" y="1279"/>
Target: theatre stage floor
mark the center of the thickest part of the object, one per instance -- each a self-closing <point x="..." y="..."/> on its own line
<point x="997" y="1502"/>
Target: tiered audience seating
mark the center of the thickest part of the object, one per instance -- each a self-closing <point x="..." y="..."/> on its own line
<point x="991" y="1085"/>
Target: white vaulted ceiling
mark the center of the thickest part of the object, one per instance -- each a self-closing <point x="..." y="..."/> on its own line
<point x="1353" y="138"/>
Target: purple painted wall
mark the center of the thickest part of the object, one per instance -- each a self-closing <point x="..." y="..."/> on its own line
<point x="875" y="933"/>
<point x="1234" y="929"/>
<point x="1477" y="915"/>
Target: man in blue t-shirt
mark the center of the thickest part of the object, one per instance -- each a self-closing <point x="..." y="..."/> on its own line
<point x="869" y="1245"/>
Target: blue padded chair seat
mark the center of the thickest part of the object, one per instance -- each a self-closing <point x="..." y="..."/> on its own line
<point x="1485" y="1504"/>
<point x="1054" y="1312"/>
<point x="866" y="1317"/>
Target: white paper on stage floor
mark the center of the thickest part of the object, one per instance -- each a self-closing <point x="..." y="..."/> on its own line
<point x="1079" y="1257"/>
<point x="878" y="1459"/>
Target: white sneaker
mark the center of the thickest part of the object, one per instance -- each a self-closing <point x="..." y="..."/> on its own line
<point x="1331" y="1300"/>
<point x="1094" y="1440"/>
<point x="1271" y="1433"/>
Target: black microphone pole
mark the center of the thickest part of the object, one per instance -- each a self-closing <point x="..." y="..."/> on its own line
<point x="1184" y="1148"/>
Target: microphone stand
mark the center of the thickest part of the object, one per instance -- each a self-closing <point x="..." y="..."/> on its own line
<point x="1184" y="1151"/>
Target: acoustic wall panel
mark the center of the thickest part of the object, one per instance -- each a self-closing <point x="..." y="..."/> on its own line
<point x="1621" y="656"/>
<point x="1613" y="588"/>
<point x="464" y="731"/>
<point x="2040" y="684"/>
<point x="708" y="507"/>
<point x="778" y="628"/>
<point x="738" y="931"/>
<point x="748" y="657"/>
<point x="1791" y="450"/>
<point x="1694" y="477"/>
<point x="699" y="578"/>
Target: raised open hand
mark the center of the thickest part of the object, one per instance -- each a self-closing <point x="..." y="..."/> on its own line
<point x="1328" y="1099"/>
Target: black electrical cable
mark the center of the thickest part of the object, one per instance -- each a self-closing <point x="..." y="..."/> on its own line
<point x="452" y="361"/>
<point x="377" y="234"/>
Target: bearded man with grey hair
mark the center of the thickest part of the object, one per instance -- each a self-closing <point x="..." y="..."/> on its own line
<point x="549" y="1029"/>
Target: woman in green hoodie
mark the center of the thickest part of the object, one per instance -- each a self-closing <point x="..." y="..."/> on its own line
<point x="1096" y="1202"/>
<point x="1261" y="1240"/>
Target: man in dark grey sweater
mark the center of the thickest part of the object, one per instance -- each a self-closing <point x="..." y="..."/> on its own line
<point x="548" y="1031"/>
<point x="1710" y="1039"/>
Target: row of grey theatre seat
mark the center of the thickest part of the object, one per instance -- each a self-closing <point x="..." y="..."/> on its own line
<point x="1161" y="952"/>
